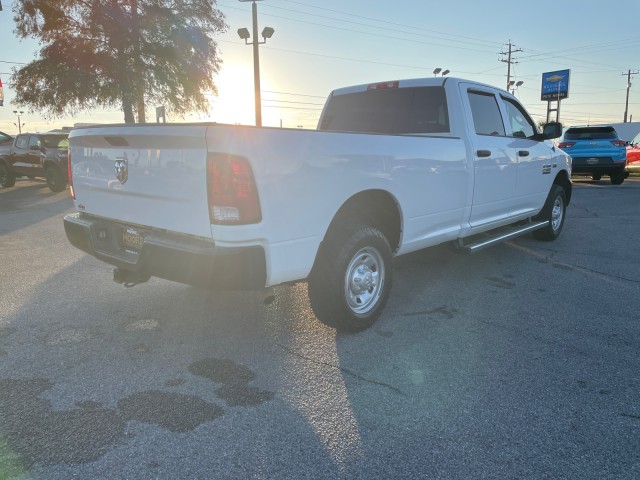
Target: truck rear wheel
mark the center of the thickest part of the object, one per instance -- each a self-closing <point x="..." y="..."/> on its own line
<point x="554" y="211"/>
<point x="7" y="178"/>
<point x="55" y="179"/>
<point x="617" y="178"/>
<point x="351" y="279"/>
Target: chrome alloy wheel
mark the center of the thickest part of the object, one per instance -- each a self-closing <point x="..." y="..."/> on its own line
<point x="364" y="280"/>
<point x="556" y="213"/>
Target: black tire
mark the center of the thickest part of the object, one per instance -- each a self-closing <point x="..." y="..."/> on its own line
<point x="554" y="211"/>
<point x="56" y="181"/>
<point x="617" y="178"/>
<point x="596" y="176"/>
<point x="7" y="178"/>
<point x="351" y="279"/>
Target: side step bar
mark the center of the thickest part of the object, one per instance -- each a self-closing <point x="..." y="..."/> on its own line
<point x="503" y="236"/>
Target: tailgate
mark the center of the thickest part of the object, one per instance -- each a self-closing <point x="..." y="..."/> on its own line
<point x="143" y="175"/>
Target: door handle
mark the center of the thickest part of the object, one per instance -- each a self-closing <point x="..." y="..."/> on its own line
<point x="523" y="153"/>
<point x="483" y="153"/>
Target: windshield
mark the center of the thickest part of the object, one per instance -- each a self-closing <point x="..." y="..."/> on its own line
<point x="393" y="111"/>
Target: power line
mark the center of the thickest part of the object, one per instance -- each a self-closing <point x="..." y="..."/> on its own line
<point x="439" y="35"/>
<point x="375" y="34"/>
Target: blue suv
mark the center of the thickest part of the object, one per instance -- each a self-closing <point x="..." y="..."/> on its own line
<point x="596" y="151"/>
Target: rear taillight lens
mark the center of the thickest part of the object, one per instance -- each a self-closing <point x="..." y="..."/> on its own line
<point x="233" y="196"/>
<point x="566" y="144"/>
<point x="618" y="143"/>
<point x="70" y="175"/>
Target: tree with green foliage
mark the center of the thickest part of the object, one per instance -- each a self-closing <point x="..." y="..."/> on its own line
<point x="118" y="53"/>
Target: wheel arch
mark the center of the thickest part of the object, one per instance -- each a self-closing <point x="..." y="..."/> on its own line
<point x="564" y="181"/>
<point x="378" y="208"/>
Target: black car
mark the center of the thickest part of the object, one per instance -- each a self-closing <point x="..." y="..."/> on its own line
<point x="596" y="151"/>
<point x="35" y="155"/>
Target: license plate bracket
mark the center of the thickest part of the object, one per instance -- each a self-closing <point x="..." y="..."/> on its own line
<point x="131" y="239"/>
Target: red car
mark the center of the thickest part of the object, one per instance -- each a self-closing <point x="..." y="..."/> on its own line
<point x="633" y="155"/>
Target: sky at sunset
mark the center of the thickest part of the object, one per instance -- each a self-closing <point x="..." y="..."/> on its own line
<point x="321" y="45"/>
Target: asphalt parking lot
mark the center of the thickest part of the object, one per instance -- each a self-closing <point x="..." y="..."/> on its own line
<point x="521" y="361"/>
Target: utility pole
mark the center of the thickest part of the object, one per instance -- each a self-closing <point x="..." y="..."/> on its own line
<point x="626" y="104"/>
<point x="509" y="60"/>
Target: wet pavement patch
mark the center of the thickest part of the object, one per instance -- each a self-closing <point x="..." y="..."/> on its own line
<point x="222" y="371"/>
<point x="32" y="432"/>
<point x="173" y="411"/>
<point x="236" y="391"/>
<point x="37" y="434"/>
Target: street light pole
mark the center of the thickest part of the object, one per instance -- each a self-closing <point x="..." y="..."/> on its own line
<point x="244" y="35"/>
<point x="256" y="65"/>
<point x="18" y="113"/>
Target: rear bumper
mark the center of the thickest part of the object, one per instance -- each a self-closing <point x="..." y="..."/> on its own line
<point x="172" y="256"/>
<point x="604" y="166"/>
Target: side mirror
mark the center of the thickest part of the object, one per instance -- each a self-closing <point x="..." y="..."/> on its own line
<point x="34" y="147"/>
<point x="552" y="130"/>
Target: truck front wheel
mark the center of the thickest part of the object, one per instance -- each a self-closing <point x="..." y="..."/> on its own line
<point x="351" y="279"/>
<point x="7" y="178"/>
<point x="554" y="211"/>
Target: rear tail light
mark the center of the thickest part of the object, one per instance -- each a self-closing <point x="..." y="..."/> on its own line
<point x="566" y="144"/>
<point x="70" y="174"/>
<point x="619" y="143"/>
<point x="233" y="196"/>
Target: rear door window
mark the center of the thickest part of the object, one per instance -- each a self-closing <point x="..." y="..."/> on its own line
<point x="393" y="111"/>
<point x="487" y="119"/>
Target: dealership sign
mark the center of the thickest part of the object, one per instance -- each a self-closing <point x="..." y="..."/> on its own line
<point x="555" y="85"/>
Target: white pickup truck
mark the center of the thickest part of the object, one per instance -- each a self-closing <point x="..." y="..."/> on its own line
<point x="393" y="167"/>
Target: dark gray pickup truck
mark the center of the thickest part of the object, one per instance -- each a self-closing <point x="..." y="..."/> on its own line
<point x="36" y="155"/>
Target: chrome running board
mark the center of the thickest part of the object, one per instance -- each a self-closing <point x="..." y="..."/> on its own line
<point x="503" y="236"/>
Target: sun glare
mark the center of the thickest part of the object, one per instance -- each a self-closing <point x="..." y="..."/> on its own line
<point x="235" y="101"/>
